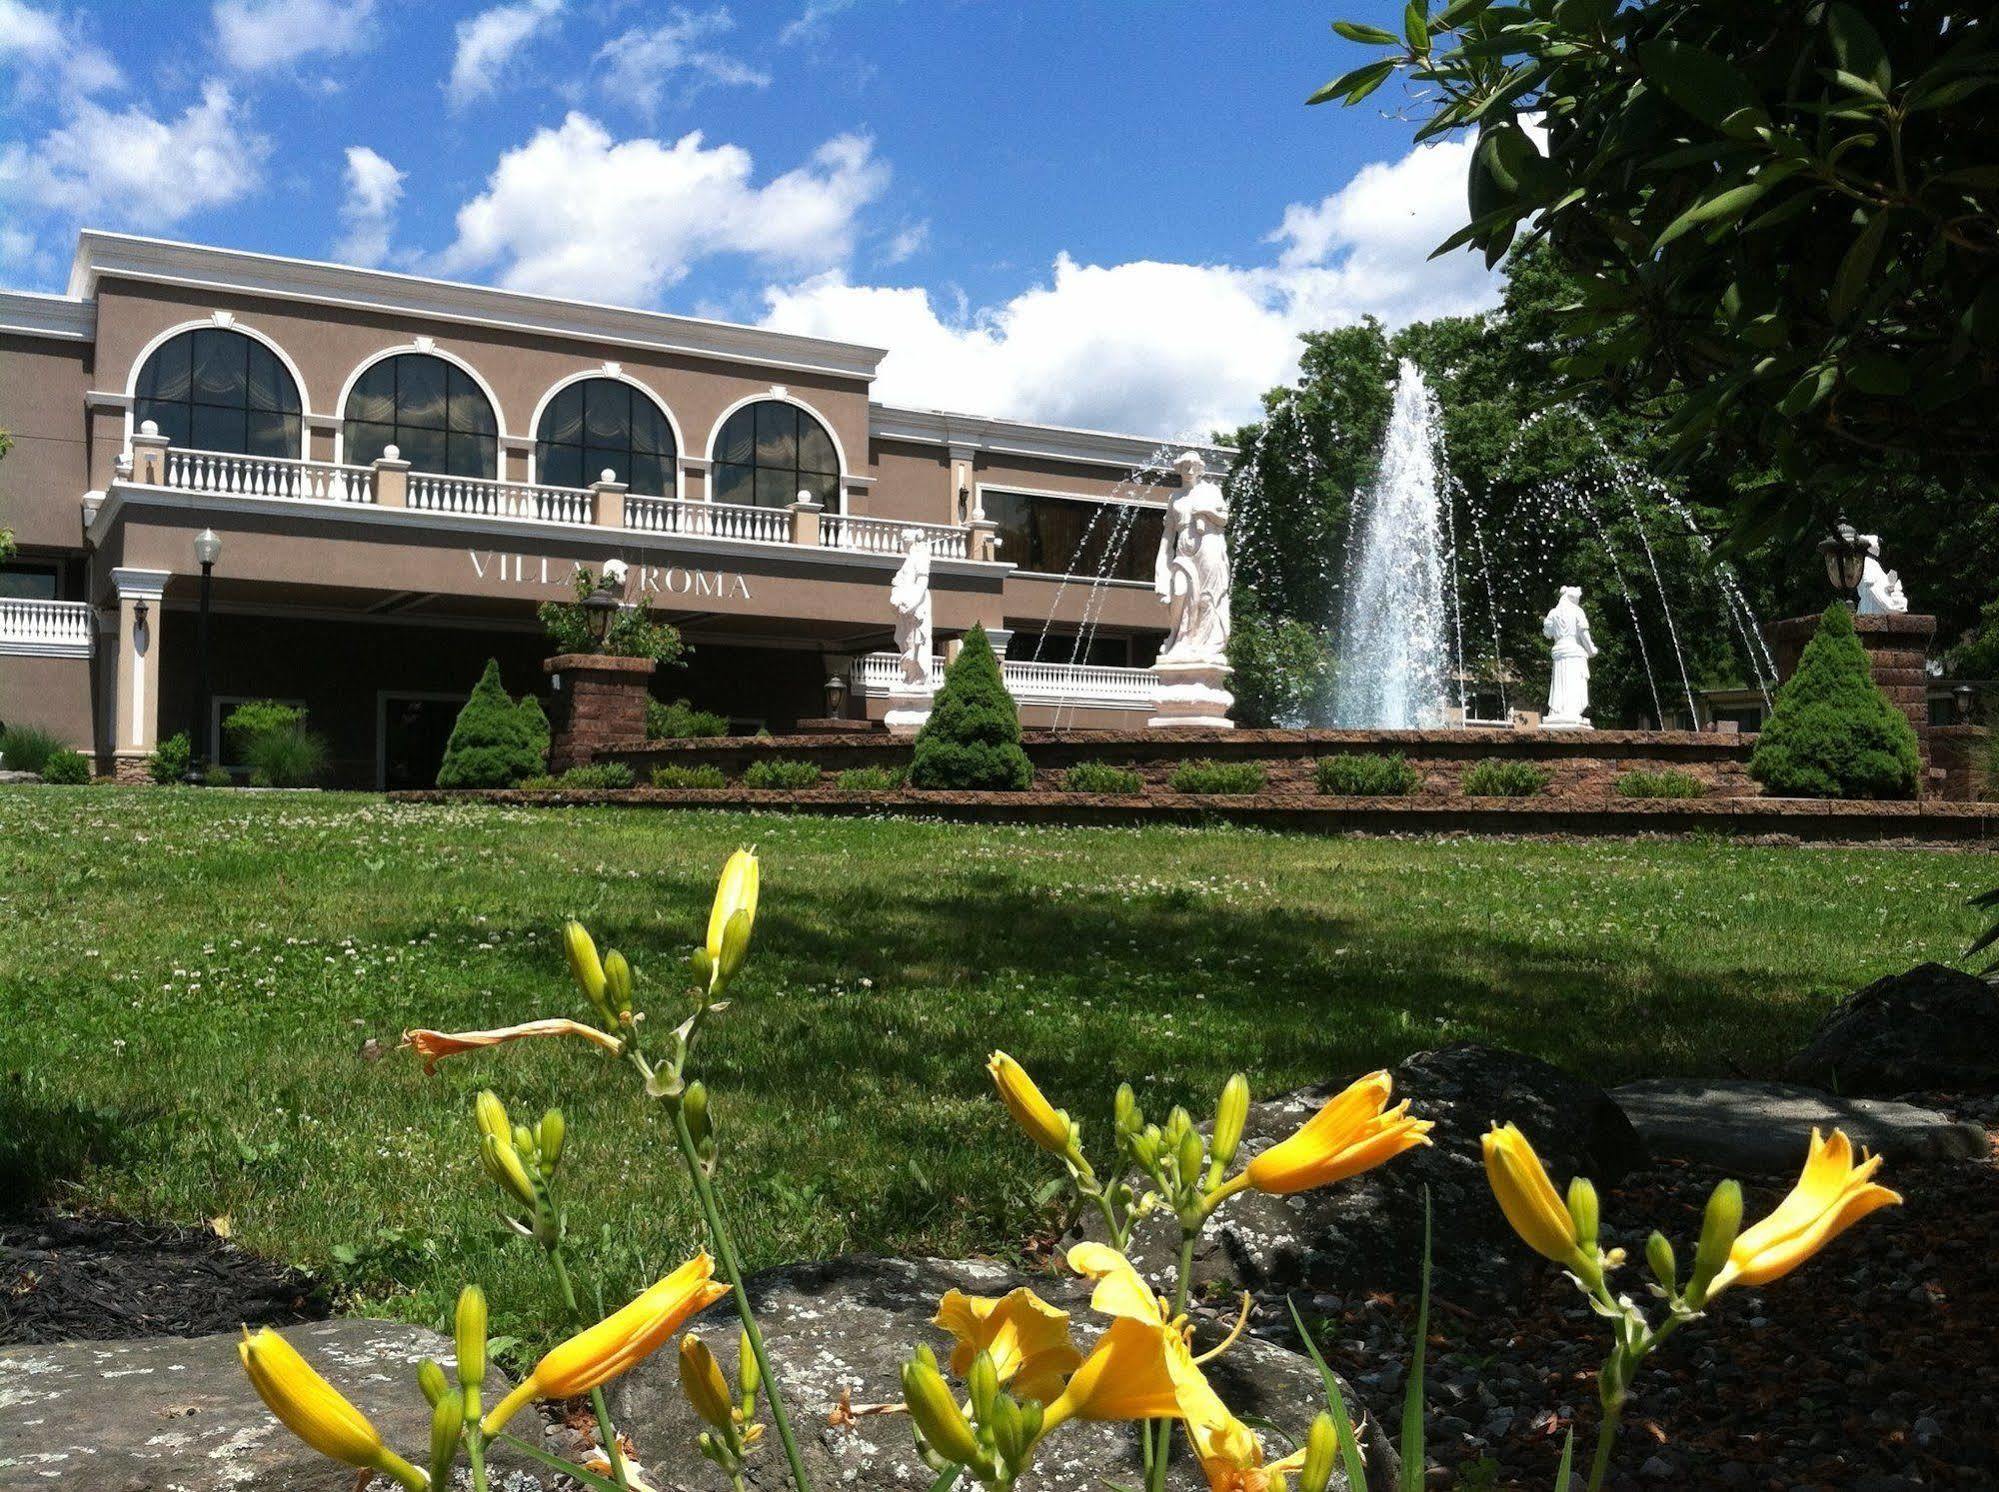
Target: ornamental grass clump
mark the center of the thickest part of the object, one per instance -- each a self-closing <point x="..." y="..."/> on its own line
<point x="1671" y="783"/>
<point x="1502" y="777"/>
<point x="783" y="773"/>
<point x="672" y="774"/>
<point x="870" y="779"/>
<point x="1102" y="777"/>
<point x="1366" y="774"/>
<point x="1205" y="776"/>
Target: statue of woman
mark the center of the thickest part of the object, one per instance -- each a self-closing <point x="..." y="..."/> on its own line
<point x="1191" y="574"/>
<point x="1568" y="688"/>
<point x="1880" y="590"/>
<point x="909" y="595"/>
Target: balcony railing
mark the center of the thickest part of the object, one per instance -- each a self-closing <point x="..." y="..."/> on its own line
<point x="46" y="629"/>
<point x="880" y="674"/>
<point x="389" y="484"/>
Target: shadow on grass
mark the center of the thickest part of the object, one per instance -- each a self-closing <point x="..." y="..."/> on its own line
<point x="46" y="1142"/>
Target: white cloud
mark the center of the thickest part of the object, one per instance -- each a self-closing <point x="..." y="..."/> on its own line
<point x="811" y="20"/>
<point x="1181" y="349"/>
<point x="44" y="48"/>
<point x="908" y="241"/>
<point x="488" y="41"/>
<point x="576" y="212"/>
<point x="640" y="64"/>
<point x="253" y="35"/>
<point x="130" y="166"/>
<point x="374" y="187"/>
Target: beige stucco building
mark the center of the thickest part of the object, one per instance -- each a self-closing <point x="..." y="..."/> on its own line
<point x="400" y="470"/>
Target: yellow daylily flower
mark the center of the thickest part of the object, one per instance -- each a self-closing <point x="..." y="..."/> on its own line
<point x="735" y="892"/>
<point x="312" y="1409"/>
<point x="1038" y="1119"/>
<point x="434" y="1046"/>
<point x="1027" y="1339"/>
<point x="1232" y="1458"/>
<point x="1142" y="1367"/>
<point x="1527" y="1196"/>
<point x="1832" y="1194"/>
<point x="1354" y="1131"/>
<point x="596" y="1355"/>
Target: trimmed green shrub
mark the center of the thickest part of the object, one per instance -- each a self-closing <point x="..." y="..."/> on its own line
<point x="26" y="748"/>
<point x="971" y="742"/>
<point x="216" y="775"/>
<point x="672" y="775"/>
<point x="1671" y="783"/>
<point x="66" y="768"/>
<point x="780" y="773"/>
<point x="534" y="723"/>
<point x="1101" y="777"/>
<point x="1832" y="733"/>
<point x="680" y="721"/>
<point x="495" y="742"/>
<point x="256" y="717"/>
<point x="170" y="761"/>
<point x="292" y="757"/>
<point x="1367" y="774"/>
<point x="870" y="779"/>
<point x="1205" y="776"/>
<point x="597" y="775"/>
<point x="539" y="782"/>
<point x="1504" y="777"/>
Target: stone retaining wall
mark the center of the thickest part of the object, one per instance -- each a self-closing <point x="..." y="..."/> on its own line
<point x="1581" y="764"/>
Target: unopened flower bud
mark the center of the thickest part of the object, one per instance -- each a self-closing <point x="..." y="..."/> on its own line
<point x="1008" y="1426"/>
<point x="747" y="1373"/>
<point x="1190" y="1156"/>
<point x="735" y="948"/>
<point x="1322" y="1450"/>
<point x="1584" y="1210"/>
<point x="702" y="1382"/>
<point x="470" y="1335"/>
<point x="1723" y="1220"/>
<point x="936" y="1414"/>
<point x="548" y="1140"/>
<point x="503" y="1165"/>
<point x="490" y="1114"/>
<point x="700" y="1118"/>
<point x="447" y="1418"/>
<point x="1230" y="1116"/>
<point x="618" y="983"/>
<point x="1659" y="1254"/>
<point x="1125" y="1112"/>
<point x="982" y="1385"/>
<point x="584" y="964"/>
<point x="430" y="1378"/>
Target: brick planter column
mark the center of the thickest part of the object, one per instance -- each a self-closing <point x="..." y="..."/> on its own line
<point x="607" y="706"/>
<point x="1898" y="649"/>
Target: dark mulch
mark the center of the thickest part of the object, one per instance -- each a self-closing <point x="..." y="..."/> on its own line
<point x="1874" y="1367"/>
<point x="65" y="1278"/>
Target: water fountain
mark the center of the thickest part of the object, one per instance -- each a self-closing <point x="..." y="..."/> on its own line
<point x="1399" y="616"/>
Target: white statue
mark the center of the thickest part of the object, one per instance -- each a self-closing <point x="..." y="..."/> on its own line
<point x="1568" y="688"/>
<point x="909" y="594"/>
<point x="1880" y="590"/>
<point x="1191" y="574"/>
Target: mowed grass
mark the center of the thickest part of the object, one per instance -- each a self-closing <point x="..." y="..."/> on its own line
<point x="191" y="982"/>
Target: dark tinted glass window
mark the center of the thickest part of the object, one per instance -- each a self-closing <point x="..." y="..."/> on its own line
<point x="430" y="410"/>
<point x="771" y="451"/>
<point x="1064" y="536"/>
<point x="217" y="390"/>
<point x="29" y="582"/>
<point x="605" y="423"/>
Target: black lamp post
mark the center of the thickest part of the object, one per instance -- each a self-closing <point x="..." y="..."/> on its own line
<point x="600" y="610"/>
<point x="1845" y="560"/>
<point x="207" y="550"/>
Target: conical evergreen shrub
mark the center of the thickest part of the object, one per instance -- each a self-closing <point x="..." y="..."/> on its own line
<point x="971" y="742"/>
<point x="1832" y="733"/>
<point x="495" y="742"/>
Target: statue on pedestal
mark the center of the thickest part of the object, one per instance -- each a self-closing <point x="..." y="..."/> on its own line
<point x="1568" y="687"/>
<point x="909" y="597"/>
<point x="1880" y="590"/>
<point x="1192" y="578"/>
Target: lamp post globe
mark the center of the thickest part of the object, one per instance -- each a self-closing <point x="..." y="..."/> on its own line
<point x="600" y="610"/>
<point x="1845" y="559"/>
<point x="207" y="550"/>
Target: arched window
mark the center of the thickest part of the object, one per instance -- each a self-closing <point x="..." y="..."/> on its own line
<point x="771" y="451"/>
<point x="604" y="422"/>
<point x="213" y="389"/>
<point x="428" y="408"/>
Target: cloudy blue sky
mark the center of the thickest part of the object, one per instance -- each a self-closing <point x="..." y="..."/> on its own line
<point x="1115" y="215"/>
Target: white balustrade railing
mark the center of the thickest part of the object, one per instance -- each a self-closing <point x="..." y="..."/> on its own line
<point x="1028" y="683"/>
<point x="885" y="535"/>
<point x="49" y="628"/>
<point x="228" y="475"/>
<point x="678" y="515"/>
<point x="480" y="497"/>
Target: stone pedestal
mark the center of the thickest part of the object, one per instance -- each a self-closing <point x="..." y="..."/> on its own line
<point x="908" y="710"/>
<point x="1898" y="648"/>
<point x="1191" y="696"/>
<point x="606" y="706"/>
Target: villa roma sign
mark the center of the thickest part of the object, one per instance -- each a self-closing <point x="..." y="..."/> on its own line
<point x="657" y="580"/>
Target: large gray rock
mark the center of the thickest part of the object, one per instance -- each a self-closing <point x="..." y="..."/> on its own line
<point x="173" y="1414"/>
<point x="847" y="1326"/>
<point x="1764" y="1128"/>
<point x="1366" y="1233"/>
<point x="1931" y="1028"/>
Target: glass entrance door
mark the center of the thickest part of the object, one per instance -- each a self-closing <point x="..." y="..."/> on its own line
<point x="413" y="731"/>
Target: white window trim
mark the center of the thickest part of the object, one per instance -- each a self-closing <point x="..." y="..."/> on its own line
<point x="211" y="323"/>
<point x="781" y="395"/>
<point x="426" y="347"/>
<point x="533" y="438"/>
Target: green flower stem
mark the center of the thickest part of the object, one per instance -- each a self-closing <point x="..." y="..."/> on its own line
<point x="1606" y="1442"/>
<point x="1160" y="1434"/>
<point x="711" y="1213"/>
<point x="605" y="1430"/>
<point x="475" y="1451"/>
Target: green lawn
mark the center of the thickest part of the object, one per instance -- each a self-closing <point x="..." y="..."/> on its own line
<point x="189" y="980"/>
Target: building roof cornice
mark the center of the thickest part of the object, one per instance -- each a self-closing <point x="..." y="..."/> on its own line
<point x="63" y="317"/>
<point x="126" y="256"/>
<point x="1048" y="442"/>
